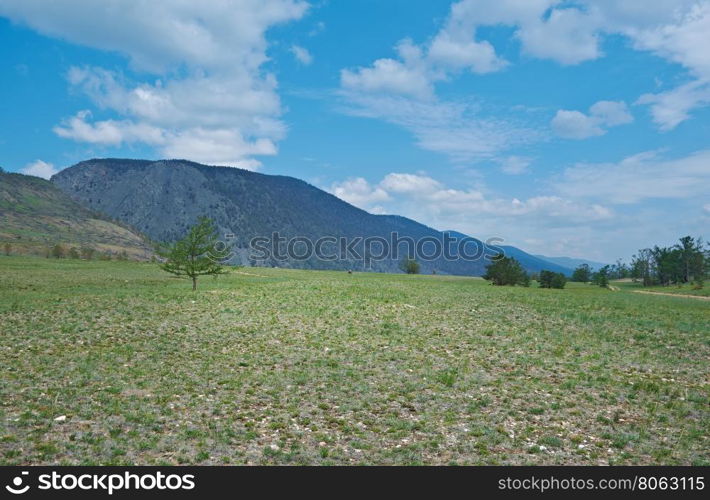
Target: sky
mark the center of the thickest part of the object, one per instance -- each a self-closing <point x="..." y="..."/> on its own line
<point x="575" y="128"/>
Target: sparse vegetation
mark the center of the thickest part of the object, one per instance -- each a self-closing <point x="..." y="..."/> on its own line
<point x="295" y="367"/>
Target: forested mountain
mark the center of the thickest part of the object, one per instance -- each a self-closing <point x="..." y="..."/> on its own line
<point x="163" y="198"/>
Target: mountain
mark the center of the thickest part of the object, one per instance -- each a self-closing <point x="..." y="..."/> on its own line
<point x="35" y="215"/>
<point x="572" y="263"/>
<point x="531" y="263"/>
<point x="163" y="199"/>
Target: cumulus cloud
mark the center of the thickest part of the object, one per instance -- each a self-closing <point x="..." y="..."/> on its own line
<point x="565" y="32"/>
<point x="432" y="202"/>
<point x="211" y="92"/>
<point x="357" y="191"/>
<point x="409" y="76"/>
<point x="577" y="125"/>
<point x="592" y="210"/>
<point x="39" y="168"/>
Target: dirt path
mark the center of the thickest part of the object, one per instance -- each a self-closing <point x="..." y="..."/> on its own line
<point x="673" y="294"/>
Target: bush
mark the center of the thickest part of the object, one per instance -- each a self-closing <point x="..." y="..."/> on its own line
<point x="87" y="253"/>
<point x="58" y="251"/>
<point x="410" y="266"/>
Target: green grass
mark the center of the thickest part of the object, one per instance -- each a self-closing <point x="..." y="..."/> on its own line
<point x="684" y="289"/>
<point x="301" y="367"/>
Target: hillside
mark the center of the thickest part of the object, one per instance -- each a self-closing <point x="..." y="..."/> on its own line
<point x="163" y="198"/>
<point x="530" y="262"/>
<point x="35" y="215"/>
<point x="571" y="262"/>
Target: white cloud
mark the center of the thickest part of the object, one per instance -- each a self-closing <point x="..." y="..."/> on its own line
<point x="410" y="77"/>
<point x="107" y="132"/>
<point x="357" y="191"/>
<point x="211" y="94"/>
<point x="567" y="36"/>
<point x="456" y="129"/>
<point x="410" y="184"/>
<point x="431" y="202"/>
<point x="593" y="211"/>
<point x="302" y="55"/>
<point x="457" y="52"/>
<point x="39" y="168"/>
<point x="577" y="125"/>
<point x="514" y="165"/>
<point x="676" y="30"/>
<point x="162" y="35"/>
<point x="565" y="32"/>
<point x="639" y="177"/>
<point x="673" y="107"/>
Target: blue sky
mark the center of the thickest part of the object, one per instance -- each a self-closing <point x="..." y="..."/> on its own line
<point x="567" y="128"/>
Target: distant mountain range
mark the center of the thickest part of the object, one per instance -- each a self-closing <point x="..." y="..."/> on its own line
<point x="571" y="263"/>
<point x="162" y="199"/>
<point x="35" y="215"/>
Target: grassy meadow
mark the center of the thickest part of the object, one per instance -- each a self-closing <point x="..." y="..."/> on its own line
<point x="119" y="363"/>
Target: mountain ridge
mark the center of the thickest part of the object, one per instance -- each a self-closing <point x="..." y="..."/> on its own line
<point x="163" y="198"/>
<point x="572" y="262"/>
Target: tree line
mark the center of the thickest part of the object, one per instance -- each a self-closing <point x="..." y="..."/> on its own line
<point x="686" y="262"/>
<point x="59" y="251"/>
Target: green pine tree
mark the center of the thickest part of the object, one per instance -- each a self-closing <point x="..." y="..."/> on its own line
<point x="196" y="254"/>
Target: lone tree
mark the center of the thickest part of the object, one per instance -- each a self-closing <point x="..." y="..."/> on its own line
<point x="410" y="266"/>
<point x="506" y="271"/>
<point x="197" y="254"/>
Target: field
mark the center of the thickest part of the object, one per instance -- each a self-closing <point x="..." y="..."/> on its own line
<point x="118" y="363"/>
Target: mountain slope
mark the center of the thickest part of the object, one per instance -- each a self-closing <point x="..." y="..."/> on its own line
<point x="35" y="214"/>
<point x="531" y="263"/>
<point x="571" y="262"/>
<point x="163" y="198"/>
